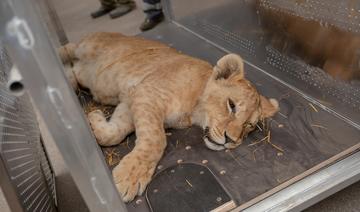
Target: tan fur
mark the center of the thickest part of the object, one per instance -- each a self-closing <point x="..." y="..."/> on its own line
<point x="152" y="85"/>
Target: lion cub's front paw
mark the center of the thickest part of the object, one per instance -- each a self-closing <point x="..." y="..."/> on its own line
<point x="132" y="175"/>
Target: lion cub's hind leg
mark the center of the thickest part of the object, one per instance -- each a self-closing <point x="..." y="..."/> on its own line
<point x="112" y="132"/>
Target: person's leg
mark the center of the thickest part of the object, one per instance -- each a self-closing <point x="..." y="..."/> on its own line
<point x="106" y="7"/>
<point x="154" y="14"/>
<point x="122" y="7"/>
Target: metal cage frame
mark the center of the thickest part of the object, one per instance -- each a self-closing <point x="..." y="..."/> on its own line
<point x="29" y="45"/>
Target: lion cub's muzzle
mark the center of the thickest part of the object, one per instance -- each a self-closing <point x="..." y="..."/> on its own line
<point x="229" y="143"/>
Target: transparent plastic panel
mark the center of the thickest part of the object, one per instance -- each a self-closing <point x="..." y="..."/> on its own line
<point x="310" y="45"/>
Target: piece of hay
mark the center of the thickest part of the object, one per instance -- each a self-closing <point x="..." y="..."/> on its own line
<point x="313" y="107"/>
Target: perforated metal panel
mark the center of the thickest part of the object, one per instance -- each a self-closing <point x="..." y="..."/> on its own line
<point x="342" y="14"/>
<point x="21" y="149"/>
<point x="270" y="34"/>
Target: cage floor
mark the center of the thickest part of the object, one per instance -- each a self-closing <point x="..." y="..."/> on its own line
<point x="304" y="137"/>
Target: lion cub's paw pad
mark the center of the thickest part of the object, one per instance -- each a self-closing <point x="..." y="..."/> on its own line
<point x="132" y="176"/>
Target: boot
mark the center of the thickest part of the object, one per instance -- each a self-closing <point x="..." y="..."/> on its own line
<point x="101" y="11"/>
<point x="121" y="10"/>
<point x="150" y="23"/>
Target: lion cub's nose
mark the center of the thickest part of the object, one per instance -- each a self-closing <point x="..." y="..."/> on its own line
<point x="228" y="139"/>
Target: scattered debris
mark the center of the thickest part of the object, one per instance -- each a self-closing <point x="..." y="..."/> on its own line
<point x="160" y="167"/>
<point x="222" y="172"/>
<point x="188" y="147"/>
<point x="227" y="150"/>
<point x="155" y="190"/>
<point x="276" y="147"/>
<point x="280" y="126"/>
<point x="319" y="126"/>
<point x="261" y="140"/>
<point x="138" y="201"/>
<point x="179" y="161"/>
<point x="266" y="139"/>
<point x="218" y="199"/>
<point x="313" y="107"/>
<point x="201" y="172"/>
<point x="110" y="156"/>
<point x="204" y="161"/>
<point x="172" y="171"/>
<point x="282" y="115"/>
<point x="259" y="127"/>
<point x="188" y="183"/>
<point x="253" y="153"/>
<point x="168" y="133"/>
<point x="279" y="154"/>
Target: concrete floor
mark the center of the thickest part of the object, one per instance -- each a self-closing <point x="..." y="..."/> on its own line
<point x="77" y="22"/>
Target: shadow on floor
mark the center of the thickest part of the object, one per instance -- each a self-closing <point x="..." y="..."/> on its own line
<point x="66" y="188"/>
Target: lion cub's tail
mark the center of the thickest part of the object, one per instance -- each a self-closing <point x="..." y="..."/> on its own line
<point x="67" y="53"/>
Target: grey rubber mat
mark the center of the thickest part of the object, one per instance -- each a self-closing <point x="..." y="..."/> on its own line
<point x="185" y="188"/>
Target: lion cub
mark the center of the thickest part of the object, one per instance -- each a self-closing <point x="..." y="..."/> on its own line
<point x="153" y="85"/>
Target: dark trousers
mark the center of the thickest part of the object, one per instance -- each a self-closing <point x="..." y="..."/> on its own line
<point x="152" y="9"/>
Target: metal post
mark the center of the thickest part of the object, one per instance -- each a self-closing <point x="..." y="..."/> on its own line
<point x="43" y="78"/>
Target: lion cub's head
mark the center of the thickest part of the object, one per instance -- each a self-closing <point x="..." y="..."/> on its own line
<point x="231" y="105"/>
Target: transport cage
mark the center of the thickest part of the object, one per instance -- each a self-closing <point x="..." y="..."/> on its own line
<point x="303" y="53"/>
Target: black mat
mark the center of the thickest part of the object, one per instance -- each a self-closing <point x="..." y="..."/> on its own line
<point x="185" y="188"/>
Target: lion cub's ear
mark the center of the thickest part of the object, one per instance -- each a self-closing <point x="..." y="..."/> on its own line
<point x="230" y="65"/>
<point x="268" y="107"/>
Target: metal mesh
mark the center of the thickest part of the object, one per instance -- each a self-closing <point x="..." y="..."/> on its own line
<point x="341" y="14"/>
<point x="21" y="148"/>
